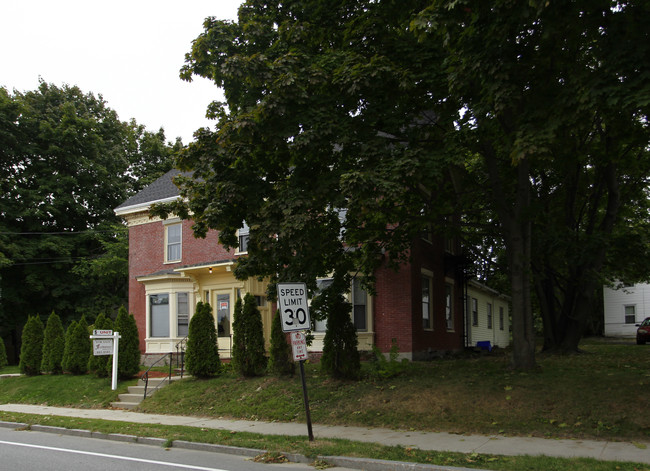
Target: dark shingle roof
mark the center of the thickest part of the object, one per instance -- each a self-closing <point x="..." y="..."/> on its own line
<point x="160" y="189"/>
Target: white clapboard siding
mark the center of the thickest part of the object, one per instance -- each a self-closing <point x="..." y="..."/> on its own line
<point x="614" y="302"/>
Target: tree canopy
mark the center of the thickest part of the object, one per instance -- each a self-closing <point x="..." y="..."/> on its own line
<point x="66" y="162"/>
<point x="351" y="126"/>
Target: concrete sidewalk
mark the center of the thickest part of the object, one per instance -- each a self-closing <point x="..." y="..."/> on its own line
<point x="494" y="444"/>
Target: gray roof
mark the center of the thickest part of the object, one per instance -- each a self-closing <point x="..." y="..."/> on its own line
<point x="160" y="189"/>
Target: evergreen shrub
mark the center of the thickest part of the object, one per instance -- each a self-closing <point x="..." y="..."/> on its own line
<point x="3" y="354"/>
<point x="77" y="348"/>
<point x="248" y="355"/>
<point x="202" y="353"/>
<point x="280" y="355"/>
<point x="128" y="361"/>
<point x="53" y="345"/>
<point x="31" y="350"/>
<point x="340" y="346"/>
<point x="65" y="362"/>
<point x="100" y="365"/>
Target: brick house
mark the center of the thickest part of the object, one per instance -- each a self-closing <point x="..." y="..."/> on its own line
<point x="420" y="307"/>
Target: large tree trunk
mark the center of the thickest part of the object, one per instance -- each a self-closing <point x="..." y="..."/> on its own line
<point x="565" y="314"/>
<point x="545" y="290"/>
<point x="523" y="332"/>
<point x="517" y="237"/>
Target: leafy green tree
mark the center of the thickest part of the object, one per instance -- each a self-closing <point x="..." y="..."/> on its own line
<point x="280" y="355"/>
<point x="53" y="345"/>
<point x="407" y="114"/>
<point x="31" y="351"/>
<point x="3" y="354"/>
<point x="150" y="155"/>
<point x="202" y="353"/>
<point x="128" y="361"/>
<point x="77" y="348"/>
<point x="560" y="128"/>
<point x="66" y="162"/>
<point x="248" y="356"/>
<point x="101" y="365"/>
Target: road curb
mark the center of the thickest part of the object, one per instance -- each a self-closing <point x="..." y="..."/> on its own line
<point x="364" y="464"/>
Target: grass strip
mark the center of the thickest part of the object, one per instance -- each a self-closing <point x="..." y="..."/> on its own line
<point x="275" y="445"/>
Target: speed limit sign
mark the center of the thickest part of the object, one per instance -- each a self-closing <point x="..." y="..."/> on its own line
<point x="294" y="311"/>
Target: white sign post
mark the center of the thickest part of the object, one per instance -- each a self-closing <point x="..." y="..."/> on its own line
<point x="106" y="342"/>
<point x="294" y="310"/>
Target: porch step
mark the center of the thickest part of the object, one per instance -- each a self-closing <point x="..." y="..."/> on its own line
<point x="134" y="397"/>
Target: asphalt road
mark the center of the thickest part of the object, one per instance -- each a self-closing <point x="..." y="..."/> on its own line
<point x="38" y="451"/>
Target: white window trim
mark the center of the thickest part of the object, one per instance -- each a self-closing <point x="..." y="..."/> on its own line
<point x="167" y="225"/>
<point x="246" y="230"/>
<point x="489" y="313"/>
<point x="428" y="274"/>
<point x="449" y="319"/>
<point x="633" y="306"/>
<point x="474" y="311"/>
<point x="349" y="297"/>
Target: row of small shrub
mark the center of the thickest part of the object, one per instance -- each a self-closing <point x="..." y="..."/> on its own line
<point x="3" y="354"/>
<point x="340" y="356"/>
<point x="248" y="353"/>
<point x="52" y="350"/>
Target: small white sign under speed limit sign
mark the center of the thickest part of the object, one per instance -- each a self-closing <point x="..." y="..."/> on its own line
<point x="294" y="310"/>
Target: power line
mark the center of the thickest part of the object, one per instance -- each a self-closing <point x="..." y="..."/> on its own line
<point x="48" y="261"/>
<point x="60" y="233"/>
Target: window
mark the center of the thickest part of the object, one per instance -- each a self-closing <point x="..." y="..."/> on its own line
<point x="427" y="234"/>
<point x="426" y="302"/>
<point x="449" y="312"/>
<point x="321" y="325"/>
<point x="489" y="315"/>
<point x="475" y="312"/>
<point x="173" y="236"/>
<point x="449" y="245"/>
<point x="159" y="315"/>
<point x="359" y="306"/>
<point x="182" y="314"/>
<point x="342" y="213"/>
<point x="244" y="237"/>
<point x="630" y="314"/>
<point x="501" y="319"/>
<point x="359" y="300"/>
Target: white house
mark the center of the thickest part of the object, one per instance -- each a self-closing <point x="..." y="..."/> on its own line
<point x="625" y="307"/>
<point x="488" y="316"/>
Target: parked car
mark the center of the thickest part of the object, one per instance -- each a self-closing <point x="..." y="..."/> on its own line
<point x="643" y="332"/>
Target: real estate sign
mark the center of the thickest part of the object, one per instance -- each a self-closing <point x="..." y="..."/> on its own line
<point x="103" y="346"/>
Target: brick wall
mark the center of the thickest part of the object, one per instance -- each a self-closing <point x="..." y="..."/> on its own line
<point x="147" y="256"/>
<point x="398" y="305"/>
<point x="393" y="309"/>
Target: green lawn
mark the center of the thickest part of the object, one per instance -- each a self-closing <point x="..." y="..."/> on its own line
<point x="599" y="394"/>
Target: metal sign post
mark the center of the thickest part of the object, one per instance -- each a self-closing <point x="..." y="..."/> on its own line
<point x="294" y="317"/>
<point x="299" y="348"/>
<point x="305" y="397"/>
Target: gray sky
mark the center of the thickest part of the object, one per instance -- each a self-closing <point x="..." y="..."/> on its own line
<point x="130" y="52"/>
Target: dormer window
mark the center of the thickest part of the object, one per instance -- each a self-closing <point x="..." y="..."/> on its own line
<point x="244" y="236"/>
